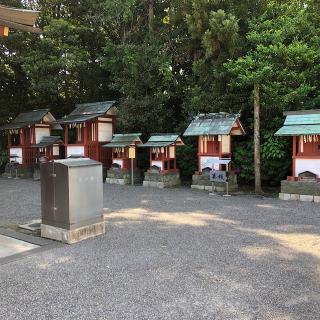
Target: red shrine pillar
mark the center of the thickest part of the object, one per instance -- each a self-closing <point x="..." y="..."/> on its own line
<point x="9" y="140"/>
<point x="199" y="151"/>
<point x="85" y="140"/>
<point x="220" y="149"/>
<point x="175" y="158"/>
<point x="66" y="140"/>
<point x="294" y="154"/>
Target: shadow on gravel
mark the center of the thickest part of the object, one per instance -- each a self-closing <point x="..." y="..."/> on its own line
<point x="264" y="252"/>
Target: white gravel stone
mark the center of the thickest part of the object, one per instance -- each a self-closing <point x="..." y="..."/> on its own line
<point x="173" y="254"/>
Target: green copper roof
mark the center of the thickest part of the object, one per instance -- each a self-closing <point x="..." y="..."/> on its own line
<point x="26" y="119"/>
<point x="163" y="140"/>
<point x="77" y="118"/>
<point x="92" y="108"/>
<point x="87" y="111"/>
<point x="300" y="123"/>
<point x="47" y="141"/>
<point x="211" y="124"/>
<point x="123" y="140"/>
<point x="298" y="130"/>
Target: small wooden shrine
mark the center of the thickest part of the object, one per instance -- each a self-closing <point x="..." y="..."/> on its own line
<point x="19" y="19"/>
<point x="162" y="170"/>
<point x="29" y="138"/>
<point x="124" y="159"/>
<point x="87" y="129"/>
<point x="304" y="128"/>
<point x="214" y="132"/>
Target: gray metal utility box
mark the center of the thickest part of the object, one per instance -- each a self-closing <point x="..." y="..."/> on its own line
<point x="71" y="198"/>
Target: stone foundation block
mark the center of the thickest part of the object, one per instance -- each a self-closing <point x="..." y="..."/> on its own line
<point x="116" y="181"/>
<point x="161" y="180"/>
<point x="72" y="236"/>
<point x="198" y="187"/>
<point x="306" y="198"/>
<point x="204" y="181"/>
<point x="295" y="197"/>
<point x="311" y="188"/>
<point x="123" y="177"/>
<point x="284" y="196"/>
<point x="316" y="199"/>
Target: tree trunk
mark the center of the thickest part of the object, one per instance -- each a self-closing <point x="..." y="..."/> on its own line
<point x="151" y="16"/>
<point x="257" y="161"/>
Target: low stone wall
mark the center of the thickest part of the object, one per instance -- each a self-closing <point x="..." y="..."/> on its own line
<point x="299" y="197"/>
<point x="300" y="191"/>
<point x="202" y="182"/>
<point x="161" y="180"/>
<point x="122" y="177"/>
<point x="299" y="187"/>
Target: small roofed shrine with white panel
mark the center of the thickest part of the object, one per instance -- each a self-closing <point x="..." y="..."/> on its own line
<point x="30" y="140"/>
<point x="304" y="128"/>
<point x="87" y="129"/>
<point x="214" y="132"/>
<point x="124" y="159"/>
<point x="163" y="171"/>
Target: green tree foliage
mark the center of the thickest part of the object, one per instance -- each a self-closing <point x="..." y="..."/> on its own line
<point x="63" y="65"/>
<point x="283" y="60"/>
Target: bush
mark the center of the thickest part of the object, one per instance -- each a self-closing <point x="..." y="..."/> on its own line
<point x="187" y="159"/>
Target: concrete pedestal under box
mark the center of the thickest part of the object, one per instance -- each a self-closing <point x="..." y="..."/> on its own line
<point x="161" y="179"/>
<point x="202" y="182"/>
<point x="71" y="200"/>
<point x="308" y="191"/>
<point x="117" y="176"/>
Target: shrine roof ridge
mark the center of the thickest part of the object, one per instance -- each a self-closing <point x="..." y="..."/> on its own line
<point x="221" y="114"/>
<point x="127" y="134"/>
<point x="301" y="112"/>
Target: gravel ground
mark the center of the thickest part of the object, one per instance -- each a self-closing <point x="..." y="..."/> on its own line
<point x="170" y="254"/>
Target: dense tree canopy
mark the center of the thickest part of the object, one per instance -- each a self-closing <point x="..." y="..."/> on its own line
<point x="165" y="61"/>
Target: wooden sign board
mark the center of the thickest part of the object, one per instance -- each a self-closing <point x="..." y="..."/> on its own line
<point x="4" y="31"/>
<point x="132" y="152"/>
<point x="218" y="176"/>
